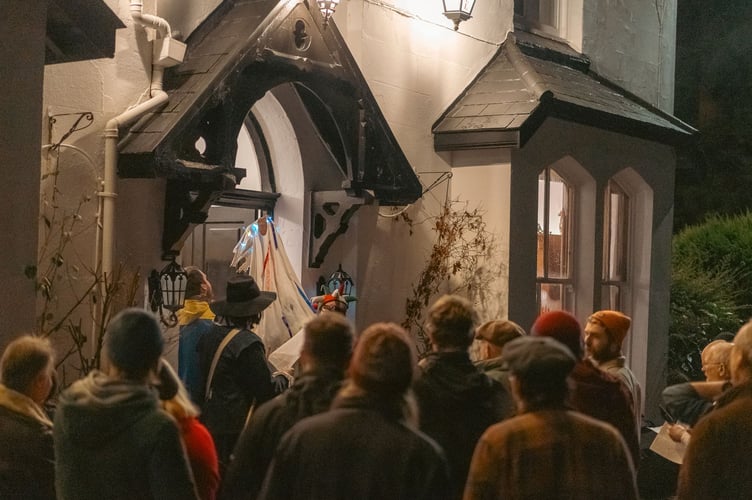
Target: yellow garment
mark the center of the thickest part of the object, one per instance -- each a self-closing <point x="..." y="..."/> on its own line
<point x="20" y="403"/>
<point x="193" y="310"/>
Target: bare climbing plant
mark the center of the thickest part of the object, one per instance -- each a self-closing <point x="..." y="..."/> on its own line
<point x="463" y="260"/>
<point x="73" y="297"/>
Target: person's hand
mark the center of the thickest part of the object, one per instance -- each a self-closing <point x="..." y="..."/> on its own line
<point x="677" y="432"/>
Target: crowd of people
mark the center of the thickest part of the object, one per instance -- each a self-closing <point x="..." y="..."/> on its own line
<point x="550" y="413"/>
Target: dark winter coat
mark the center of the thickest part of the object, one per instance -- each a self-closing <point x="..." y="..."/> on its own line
<point x="358" y="450"/>
<point x="241" y="379"/>
<point x="312" y="393"/>
<point x="457" y="404"/>
<point x="497" y="369"/>
<point x="718" y="462"/>
<point x="27" y="465"/>
<point x="112" y="441"/>
<point x="603" y="396"/>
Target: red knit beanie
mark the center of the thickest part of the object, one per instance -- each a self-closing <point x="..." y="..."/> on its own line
<point x="561" y="326"/>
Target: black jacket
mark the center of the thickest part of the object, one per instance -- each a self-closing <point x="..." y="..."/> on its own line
<point x="241" y="379"/>
<point x="457" y="404"/>
<point x="358" y="450"/>
<point x="27" y="466"/>
<point x="311" y="394"/>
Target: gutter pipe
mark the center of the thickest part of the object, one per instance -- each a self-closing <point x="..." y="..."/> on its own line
<point x="158" y="97"/>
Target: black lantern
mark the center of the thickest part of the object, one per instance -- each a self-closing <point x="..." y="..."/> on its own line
<point x="340" y="280"/>
<point x="458" y="10"/>
<point x="172" y="282"/>
<point x="327" y="8"/>
<point x="167" y="291"/>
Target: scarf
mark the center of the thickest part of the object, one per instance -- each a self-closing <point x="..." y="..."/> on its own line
<point x="20" y="403"/>
<point x="193" y="310"/>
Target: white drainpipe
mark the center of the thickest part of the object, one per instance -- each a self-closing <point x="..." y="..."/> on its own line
<point x="158" y="97"/>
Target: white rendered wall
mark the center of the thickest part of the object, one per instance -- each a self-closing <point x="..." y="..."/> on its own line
<point x="487" y="188"/>
<point x="416" y="65"/>
<point x="633" y="44"/>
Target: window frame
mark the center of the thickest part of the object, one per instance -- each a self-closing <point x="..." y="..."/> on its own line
<point x="620" y="280"/>
<point x="567" y="297"/>
<point x="527" y="15"/>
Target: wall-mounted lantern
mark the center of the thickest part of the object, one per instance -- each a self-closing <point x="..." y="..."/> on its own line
<point x="341" y="281"/>
<point x="327" y="8"/>
<point x="458" y="10"/>
<point x="167" y="290"/>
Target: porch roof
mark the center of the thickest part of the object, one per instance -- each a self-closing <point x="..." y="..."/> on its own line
<point x="242" y="50"/>
<point x="531" y="78"/>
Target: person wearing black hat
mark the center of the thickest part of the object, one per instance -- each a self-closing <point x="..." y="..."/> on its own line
<point x="111" y="438"/>
<point x="233" y="362"/>
<point x="327" y="347"/>
<point x="547" y="450"/>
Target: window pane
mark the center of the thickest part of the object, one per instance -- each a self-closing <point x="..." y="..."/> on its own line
<point x="554" y="250"/>
<point x="611" y="297"/>
<point x="558" y="227"/>
<point x="551" y="297"/>
<point x="555" y="297"/>
<point x="549" y="13"/>
<point x="616" y="237"/>
<point x="542" y="195"/>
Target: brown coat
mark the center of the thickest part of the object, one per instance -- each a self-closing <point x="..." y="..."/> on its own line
<point x="551" y="454"/>
<point x="603" y="396"/>
<point x="718" y="461"/>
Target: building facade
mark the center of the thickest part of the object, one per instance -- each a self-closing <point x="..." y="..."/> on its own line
<point x="552" y="117"/>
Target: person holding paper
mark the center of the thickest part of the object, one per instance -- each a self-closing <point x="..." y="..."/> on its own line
<point x="717" y="463"/>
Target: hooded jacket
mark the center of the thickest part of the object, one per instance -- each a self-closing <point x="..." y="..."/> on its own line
<point x="457" y="404"/>
<point x="113" y="442"/>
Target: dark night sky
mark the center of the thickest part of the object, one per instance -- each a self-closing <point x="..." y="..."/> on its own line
<point x="714" y="94"/>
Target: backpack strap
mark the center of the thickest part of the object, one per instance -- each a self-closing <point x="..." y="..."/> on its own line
<point x="230" y="335"/>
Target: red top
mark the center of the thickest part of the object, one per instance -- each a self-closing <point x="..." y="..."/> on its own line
<point x="203" y="457"/>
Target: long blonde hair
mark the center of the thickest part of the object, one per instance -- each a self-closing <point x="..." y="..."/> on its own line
<point x="180" y="406"/>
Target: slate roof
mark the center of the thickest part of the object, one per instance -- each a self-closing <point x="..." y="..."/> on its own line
<point x="244" y="49"/>
<point x="531" y="78"/>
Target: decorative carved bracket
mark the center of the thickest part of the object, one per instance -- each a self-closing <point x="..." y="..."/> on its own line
<point x="330" y="216"/>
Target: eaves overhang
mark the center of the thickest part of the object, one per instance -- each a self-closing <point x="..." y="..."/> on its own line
<point x="244" y="49"/>
<point x="530" y="79"/>
<point x="79" y="30"/>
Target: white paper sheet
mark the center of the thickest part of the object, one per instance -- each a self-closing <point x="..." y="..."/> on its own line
<point x="667" y="447"/>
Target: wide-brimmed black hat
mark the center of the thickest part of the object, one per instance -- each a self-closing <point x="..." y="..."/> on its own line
<point x="243" y="298"/>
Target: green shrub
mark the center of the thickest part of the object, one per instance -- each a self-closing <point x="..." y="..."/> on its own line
<point x="720" y="247"/>
<point x="702" y="306"/>
<point x="711" y="289"/>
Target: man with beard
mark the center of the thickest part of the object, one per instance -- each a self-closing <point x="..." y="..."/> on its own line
<point x="604" y="335"/>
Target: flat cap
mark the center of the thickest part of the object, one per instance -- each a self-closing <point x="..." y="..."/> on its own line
<point x="538" y="358"/>
<point x="498" y="332"/>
